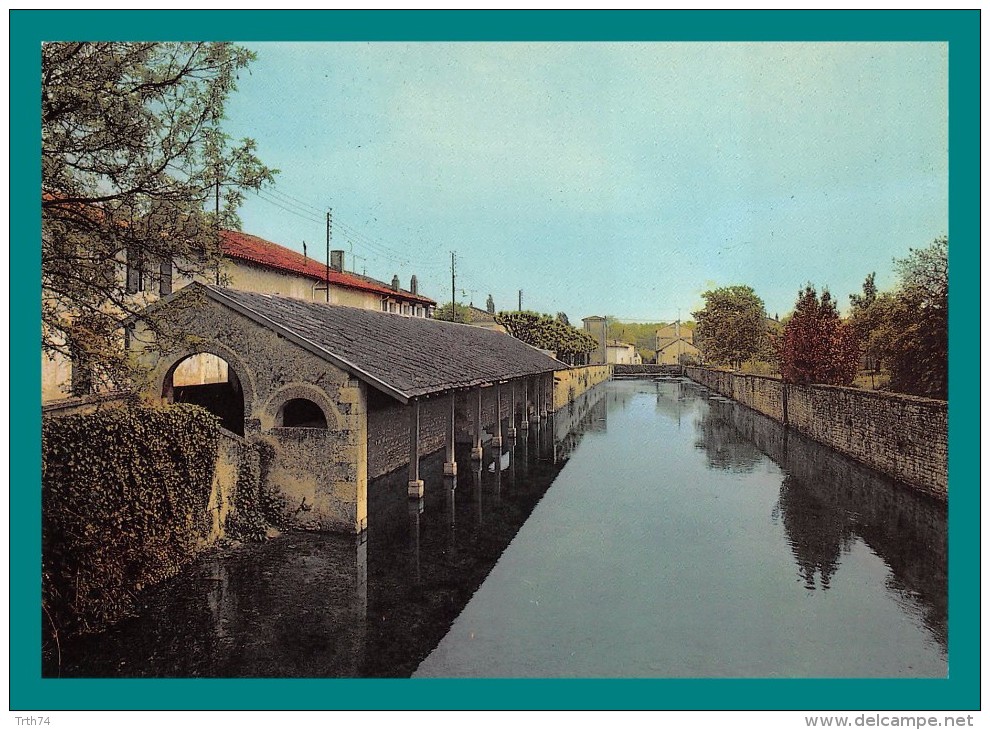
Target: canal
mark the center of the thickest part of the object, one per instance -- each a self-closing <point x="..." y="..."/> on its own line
<point x="653" y="529"/>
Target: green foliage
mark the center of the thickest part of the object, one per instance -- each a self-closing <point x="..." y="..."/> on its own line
<point x="643" y="335"/>
<point x="132" y="158"/>
<point x="912" y="323"/>
<point x="257" y="505"/>
<point x="124" y="506"/>
<point x="453" y="313"/>
<point x="732" y="326"/>
<point x="247" y="521"/>
<point x="816" y="346"/>
<point x="547" y="333"/>
<point x="869" y="315"/>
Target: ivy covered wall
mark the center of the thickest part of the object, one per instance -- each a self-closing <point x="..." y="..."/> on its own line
<point x="126" y="496"/>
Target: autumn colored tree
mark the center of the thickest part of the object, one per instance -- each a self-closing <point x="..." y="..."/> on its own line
<point x="732" y="326"/>
<point x="817" y="346"/>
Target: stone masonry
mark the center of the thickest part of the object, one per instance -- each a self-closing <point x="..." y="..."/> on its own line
<point x="899" y="435"/>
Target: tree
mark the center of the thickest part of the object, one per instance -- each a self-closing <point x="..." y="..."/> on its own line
<point x="918" y="323"/>
<point x="547" y="333"/>
<point x="133" y="158"/>
<point x="869" y="316"/>
<point x="817" y="346"/>
<point x="732" y="326"/>
<point x="907" y="330"/>
<point x="453" y="312"/>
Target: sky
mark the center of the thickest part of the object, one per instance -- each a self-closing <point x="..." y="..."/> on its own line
<point x="616" y="179"/>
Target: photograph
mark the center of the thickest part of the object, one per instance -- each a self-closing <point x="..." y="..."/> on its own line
<point x="539" y="346"/>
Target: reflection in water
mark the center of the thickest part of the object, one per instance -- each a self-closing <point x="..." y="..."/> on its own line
<point x="646" y="530"/>
<point x="696" y="538"/>
<point x="827" y="501"/>
<point x="322" y="605"/>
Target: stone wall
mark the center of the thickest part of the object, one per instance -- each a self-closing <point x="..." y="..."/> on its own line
<point x="388" y="423"/>
<point x="648" y="369"/>
<point x="571" y="383"/>
<point x="388" y="420"/>
<point x="899" y="435"/>
<point x="232" y="450"/>
<point x="320" y="473"/>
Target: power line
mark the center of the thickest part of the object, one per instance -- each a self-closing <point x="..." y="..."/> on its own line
<point x="288" y="210"/>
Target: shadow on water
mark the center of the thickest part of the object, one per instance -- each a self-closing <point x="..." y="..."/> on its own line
<point x="827" y="501"/>
<point x="321" y="605"/>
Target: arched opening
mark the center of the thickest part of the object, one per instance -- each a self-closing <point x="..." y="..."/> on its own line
<point x="301" y="413"/>
<point x="208" y="381"/>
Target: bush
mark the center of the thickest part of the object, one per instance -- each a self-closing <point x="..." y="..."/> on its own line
<point x="124" y="506"/>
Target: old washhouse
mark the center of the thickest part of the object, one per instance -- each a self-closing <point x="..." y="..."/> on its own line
<point x="344" y="395"/>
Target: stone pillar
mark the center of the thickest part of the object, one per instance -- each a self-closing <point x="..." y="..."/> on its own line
<point x="524" y="421"/>
<point x="497" y="438"/>
<point x="476" y="450"/>
<point x="511" y="431"/>
<point x="415" y="483"/>
<point x="449" y="464"/>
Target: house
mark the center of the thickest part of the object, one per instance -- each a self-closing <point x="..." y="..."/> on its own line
<point x="675" y="345"/>
<point x="621" y="353"/>
<point x="596" y="327"/>
<point x="485" y="317"/>
<point x="610" y="352"/>
<point x="249" y="264"/>
<point x="254" y="264"/>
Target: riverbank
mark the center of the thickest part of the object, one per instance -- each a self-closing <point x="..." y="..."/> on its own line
<point x="902" y="436"/>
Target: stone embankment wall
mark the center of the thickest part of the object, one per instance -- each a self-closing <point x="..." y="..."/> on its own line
<point x="569" y="384"/>
<point x="899" y="435"/>
<point x="648" y="369"/>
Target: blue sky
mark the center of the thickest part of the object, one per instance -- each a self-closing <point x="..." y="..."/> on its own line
<point x="600" y="178"/>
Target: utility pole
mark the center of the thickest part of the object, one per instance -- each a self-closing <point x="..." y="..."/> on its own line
<point x="329" y="225"/>
<point x="520" y="300"/>
<point x="453" y="289"/>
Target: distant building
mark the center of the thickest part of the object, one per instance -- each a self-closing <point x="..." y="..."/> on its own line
<point x="675" y="344"/>
<point x="485" y="318"/>
<point x="597" y="327"/>
<point x="621" y="353"/>
<point x="254" y="264"/>
<point x="250" y="264"/>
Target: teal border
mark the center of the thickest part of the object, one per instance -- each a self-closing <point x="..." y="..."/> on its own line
<point x="960" y="691"/>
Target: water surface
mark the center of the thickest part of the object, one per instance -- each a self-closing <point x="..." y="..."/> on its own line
<point x="651" y="530"/>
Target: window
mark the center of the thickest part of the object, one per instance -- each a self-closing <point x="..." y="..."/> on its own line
<point x="134" y="274"/>
<point x="302" y="413"/>
<point x="165" y="280"/>
<point x="384" y="305"/>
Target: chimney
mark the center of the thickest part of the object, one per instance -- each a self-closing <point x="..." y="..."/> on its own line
<point x="395" y="282"/>
<point x="414" y="285"/>
<point x="337" y="260"/>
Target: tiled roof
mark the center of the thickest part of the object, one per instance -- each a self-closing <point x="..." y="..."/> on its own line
<point x="257" y="250"/>
<point x="406" y="357"/>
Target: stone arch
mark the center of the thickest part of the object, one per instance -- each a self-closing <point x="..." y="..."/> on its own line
<point x="162" y="382"/>
<point x="272" y="411"/>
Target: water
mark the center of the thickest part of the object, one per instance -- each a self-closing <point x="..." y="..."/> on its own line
<point x="655" y="530"/>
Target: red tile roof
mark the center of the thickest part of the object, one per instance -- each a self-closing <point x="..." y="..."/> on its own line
<point x="246" y="247"/>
